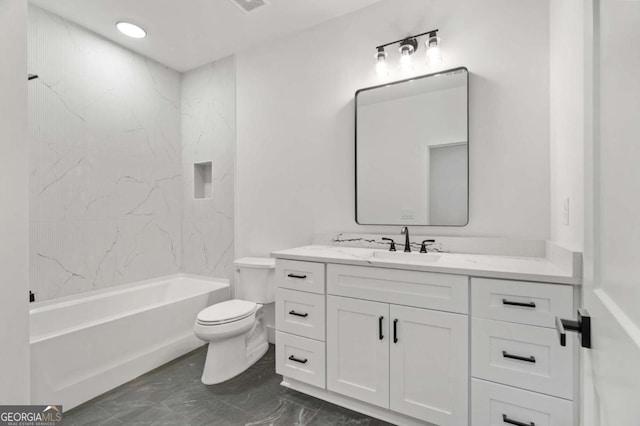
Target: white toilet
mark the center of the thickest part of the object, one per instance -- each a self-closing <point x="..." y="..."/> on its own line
<point x="235" y="329"/>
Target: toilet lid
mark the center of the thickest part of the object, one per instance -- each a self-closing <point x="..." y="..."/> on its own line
<point x="228" y="311"/>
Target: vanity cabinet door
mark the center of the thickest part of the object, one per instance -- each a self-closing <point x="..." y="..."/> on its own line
<point x="358" y="349"/>
<point x="429" y="365"/>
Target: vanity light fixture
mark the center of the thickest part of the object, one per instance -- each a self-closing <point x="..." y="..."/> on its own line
<point x="409" y="46"/>
<point x="131" y="30"/>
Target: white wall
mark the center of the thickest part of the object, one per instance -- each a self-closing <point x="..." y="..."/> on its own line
<point x="295" y="119"/>
<point x="208" y="135"/>
<point x="14" y="213"/>
<point x="106" y="200"/>
<point x="566" y="49"/>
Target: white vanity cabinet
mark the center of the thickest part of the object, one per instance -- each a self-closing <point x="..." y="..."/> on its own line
<point x="521" y="375"/>
<point x="418" y="347"/>
<point x="358" y="349"/>
<point x="429" y="376"/>
<point x="410" y="360"/>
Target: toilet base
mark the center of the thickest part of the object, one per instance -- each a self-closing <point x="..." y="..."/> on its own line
<point x="231" y="356"/>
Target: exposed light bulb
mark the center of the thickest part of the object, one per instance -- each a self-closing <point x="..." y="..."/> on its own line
<point x="381" y="68"/>
<point x="407" y="48"/>
<point x="381" y="62"/>
<point x="434" y="55"/>
<point x="406" y="63"/>
<point x="131" y="30"/>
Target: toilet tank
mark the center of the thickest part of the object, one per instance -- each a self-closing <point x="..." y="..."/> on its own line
<point x="255" y="279"/>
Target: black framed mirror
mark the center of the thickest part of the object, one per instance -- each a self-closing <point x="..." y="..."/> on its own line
<point x="412" y="151"/>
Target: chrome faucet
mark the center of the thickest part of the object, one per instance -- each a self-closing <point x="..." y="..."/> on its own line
<point x="407" y="243"/>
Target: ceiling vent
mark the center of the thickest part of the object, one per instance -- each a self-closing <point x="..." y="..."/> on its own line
<point x="250" y="5"/>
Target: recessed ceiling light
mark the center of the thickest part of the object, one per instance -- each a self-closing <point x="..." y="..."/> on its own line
<point x="131" y="30"/>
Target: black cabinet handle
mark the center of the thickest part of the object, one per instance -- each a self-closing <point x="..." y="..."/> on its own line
<point x="515" y="422"/>
<point x="519" y="358"/>
<point x="298" y="314"/>
<point x="302" y="277"/>
<point x="395" y="331"/>
<point x="380" y="328"/>
<point x="301" y="361"/>
<point x="523" y="304"/>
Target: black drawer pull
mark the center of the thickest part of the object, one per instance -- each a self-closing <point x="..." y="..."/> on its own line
<point x="301" y="361"/>
<point x="395" y="331"/>
<point x="301" y="277"/>
<point x="380" y="335"/>
<point x="515" y="422"/>
<point x="523" y="304"/>
<point x="519" y="358"/>
<point x="298" y="314"/>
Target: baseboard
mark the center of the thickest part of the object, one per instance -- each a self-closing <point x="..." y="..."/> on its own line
<point x="353" y="404"/>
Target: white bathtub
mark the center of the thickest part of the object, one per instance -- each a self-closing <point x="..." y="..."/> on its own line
<point x="85" y="345"/>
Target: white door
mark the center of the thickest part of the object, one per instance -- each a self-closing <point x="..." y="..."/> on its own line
<point x="429" y="365"/>
<point x="611" y="370"/>
<point x="358" y="349"/>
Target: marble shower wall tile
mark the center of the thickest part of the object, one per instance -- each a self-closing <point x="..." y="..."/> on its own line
<point x="208" y="135"/>
<point x="106" y="172"/>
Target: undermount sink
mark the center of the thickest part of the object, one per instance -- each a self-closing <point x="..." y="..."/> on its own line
<point x="407" y="257"/>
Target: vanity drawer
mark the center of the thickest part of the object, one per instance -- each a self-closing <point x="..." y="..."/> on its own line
<point x="521" y="302"/>
<point x="443" y="292"/>
<point x="301" y="359"/>
<point x="297" y="275"/>
<point x="523" y="356"/>
<point x="300" y="313"/>
<point x="495" y="405"/>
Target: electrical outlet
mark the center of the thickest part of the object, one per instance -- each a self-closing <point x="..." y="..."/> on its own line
<point x="565" y="211"/>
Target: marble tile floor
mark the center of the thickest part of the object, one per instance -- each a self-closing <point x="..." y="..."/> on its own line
<point x="174" y="395"/>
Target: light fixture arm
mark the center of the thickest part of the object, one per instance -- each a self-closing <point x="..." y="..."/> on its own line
<point x="431" y="33"/>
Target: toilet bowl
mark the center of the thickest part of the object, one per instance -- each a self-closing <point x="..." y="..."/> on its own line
<point x="236" y="329"/>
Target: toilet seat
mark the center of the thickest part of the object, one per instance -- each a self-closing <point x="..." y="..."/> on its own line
<point x="226" y="312"/>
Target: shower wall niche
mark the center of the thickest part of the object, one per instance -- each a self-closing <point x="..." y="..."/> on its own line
<point x="202" y="175"/>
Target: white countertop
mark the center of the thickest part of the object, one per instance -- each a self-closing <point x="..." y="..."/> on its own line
<point x="476" y="265"/>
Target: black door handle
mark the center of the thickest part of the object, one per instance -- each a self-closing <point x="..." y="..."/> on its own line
<point x="380" y="328"/>
<point x="395" y="331"/>
<point x="297" y="314"/>
<point x="302" y="277"/>
<point x="519" y="358"/>
<point x="582" y="326"/>
<point x="515" y="422"/>
<point x="523" y="304"/>
<point x="301" y="361"/>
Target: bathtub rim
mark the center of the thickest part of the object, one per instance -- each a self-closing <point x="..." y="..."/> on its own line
<point x="71" y="300"/>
